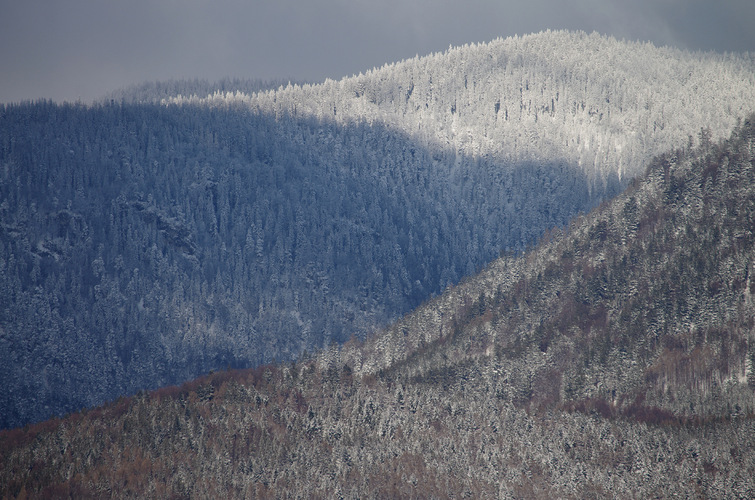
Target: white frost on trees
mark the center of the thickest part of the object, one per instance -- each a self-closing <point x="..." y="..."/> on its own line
<point x="604" y="105"/>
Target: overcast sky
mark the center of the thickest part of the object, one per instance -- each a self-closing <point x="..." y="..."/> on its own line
<point x="81" y="49"/>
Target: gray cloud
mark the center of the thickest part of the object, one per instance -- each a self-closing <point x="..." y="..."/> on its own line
<point x="84" y="48"/>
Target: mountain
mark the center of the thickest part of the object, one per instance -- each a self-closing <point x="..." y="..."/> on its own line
<point x="613" y="360"/>
<point x="144" y="243"/>
<point x="596" y="104"/>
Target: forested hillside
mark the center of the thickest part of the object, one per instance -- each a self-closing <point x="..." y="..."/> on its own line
<point x="143" y="244"/>
<point x="613" y="360"/>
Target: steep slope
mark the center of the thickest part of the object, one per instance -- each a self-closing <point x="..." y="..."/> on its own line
<point x="142" y="244"/>
<point x="647" y="298"/>
<point x="614" y="360"/>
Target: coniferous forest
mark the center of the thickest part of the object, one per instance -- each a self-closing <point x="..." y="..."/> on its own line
<point x="149" y="245"/>
<point x="179" y="228"/>
<point x="615" y="359"/>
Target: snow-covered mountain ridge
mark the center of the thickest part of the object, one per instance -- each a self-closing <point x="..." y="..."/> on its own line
<point x="605" y="105"/>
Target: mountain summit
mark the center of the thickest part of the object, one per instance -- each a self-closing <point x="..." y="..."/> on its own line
<point x="583" y="100"/>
